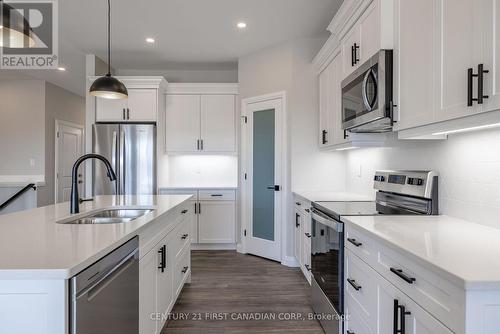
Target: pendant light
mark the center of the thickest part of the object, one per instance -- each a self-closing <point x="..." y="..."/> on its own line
<point x="15" y="28"/>
<point x="107" y="86"/>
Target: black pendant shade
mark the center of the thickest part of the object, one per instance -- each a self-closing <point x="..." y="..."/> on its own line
<point x="15" y="28"/>
<point x="107" y="86"/>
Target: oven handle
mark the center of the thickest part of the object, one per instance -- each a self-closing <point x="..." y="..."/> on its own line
<point x="317" y="216"/>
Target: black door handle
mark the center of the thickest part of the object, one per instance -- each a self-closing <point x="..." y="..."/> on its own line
<point x="274" y="187"/>
<point x="480" y="83"/>
<point x="354" y="242"/>
<point x="403" y="276"/>
<point x="356" y="48"/>
<point x="354" y="284"/>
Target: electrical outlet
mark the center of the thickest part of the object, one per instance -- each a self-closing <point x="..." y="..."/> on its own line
<point x="32" y="162"/>
<point x="359" y="171"/>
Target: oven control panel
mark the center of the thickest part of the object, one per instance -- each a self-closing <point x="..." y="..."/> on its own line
<point x="413" y="183"/>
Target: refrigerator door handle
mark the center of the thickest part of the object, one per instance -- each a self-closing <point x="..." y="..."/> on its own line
<point x="122" y="161"/>
<point x="114" y="160"/>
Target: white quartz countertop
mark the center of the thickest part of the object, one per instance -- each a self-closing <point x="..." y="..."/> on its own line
<point x="34" y="246"/>
<point x="330" y="196"/>
<point x="199" y="188"/>
<point x="463" y="252"/>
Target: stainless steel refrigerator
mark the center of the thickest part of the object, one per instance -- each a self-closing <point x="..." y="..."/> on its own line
<point x="131" y="149"/>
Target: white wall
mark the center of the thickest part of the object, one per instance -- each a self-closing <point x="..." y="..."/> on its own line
<point x="200" y="171"/>
<point x="469" y="167"/>
<point x="22" y="127"/>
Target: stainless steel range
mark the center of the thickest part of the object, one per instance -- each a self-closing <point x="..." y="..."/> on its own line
<point x="399" y="193"/>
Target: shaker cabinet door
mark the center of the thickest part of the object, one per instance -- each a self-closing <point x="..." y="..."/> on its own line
<point x="182" y="123"/>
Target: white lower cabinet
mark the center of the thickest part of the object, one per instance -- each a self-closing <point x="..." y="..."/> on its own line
<point x="302" y="236"/>
<point x="214" y="221"/>
<point x="374" y="305"/>
<point x="163" y="270"/>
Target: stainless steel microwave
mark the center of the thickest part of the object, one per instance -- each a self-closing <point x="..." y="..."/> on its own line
<point x="367" y="103"/>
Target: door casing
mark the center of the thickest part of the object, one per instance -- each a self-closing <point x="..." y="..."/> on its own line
<point x="246" y="184"/>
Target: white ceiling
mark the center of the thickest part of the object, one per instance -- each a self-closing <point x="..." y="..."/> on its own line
<point x="188" y="33"/>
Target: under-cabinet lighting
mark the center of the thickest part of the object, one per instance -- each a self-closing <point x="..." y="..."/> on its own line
<point x="241" y="25"/>
<point x="62" y="69"/>
<point x="347" y="148"/>
<point x="150" y="40"/>
<point x="473" y="128"/>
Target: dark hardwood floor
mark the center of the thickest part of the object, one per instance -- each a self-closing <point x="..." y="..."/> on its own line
<point x="235" y="286"/>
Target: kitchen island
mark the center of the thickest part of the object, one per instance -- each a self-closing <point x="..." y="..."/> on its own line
<point x="40" y="251"/>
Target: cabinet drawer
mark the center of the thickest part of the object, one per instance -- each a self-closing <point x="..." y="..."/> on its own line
<point x="182" y="269"/>
<point x="306" y="258"/>
<point x="360" y="244"/>
<point x="217" y="195"/>
<point x="355" y="323"/>
<point x="181" y="236"/>
<point x="437" y="296"/>
<point x="361" y="288"/>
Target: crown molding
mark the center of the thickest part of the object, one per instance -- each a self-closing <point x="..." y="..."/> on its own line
<point x="203" y="88"/>
<point x="157" y="82"/>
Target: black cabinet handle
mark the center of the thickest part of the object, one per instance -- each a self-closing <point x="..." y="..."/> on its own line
<point x="199" y="208"/>
<point x="184" y="211"/>
<point x="128" y="113"/>
<point x="480" y="84"/>
<point x="349" y="332"/>
<point x="353" y="283"/>
<point x="201" y="144"/>
<point x="308" y="267"/>
<point x="346" y="135"/>
<point x="354" y="242"/>
<point x="402" y="318"/>
<point x="298" y="203"/>
<point x="163" y="258"/>
<point x="352" y="56"/>
<point x="195" y="208"/>
<point x="184" y="236"/>
<point x="356" y="48"/>
<point x="323" y="137"/>
<point x="185" y="269"/>
<point x="308" y="235"/>
<point x="470" y="75"/>
<point x="307" y="210"/>
<point x="198" y="144"/>
<point x="395" y="310"/>
<point x="403" y="276"/>
<point x="123" y="113"/>
<point x="216" y="195"/>
<point x="297" y="216"/>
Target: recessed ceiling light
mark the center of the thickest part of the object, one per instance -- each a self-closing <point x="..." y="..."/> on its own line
<point x="150" y="40"/>
<point x="241" y="25"/>
<point x="62" y="69"/>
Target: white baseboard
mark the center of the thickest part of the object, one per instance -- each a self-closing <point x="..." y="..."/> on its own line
<point x="213" y="246"/>
<point x="290" y="261"/>
<point x="239" y="248"/>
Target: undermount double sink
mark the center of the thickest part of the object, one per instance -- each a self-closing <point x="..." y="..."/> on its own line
<point x="110" y="216"/>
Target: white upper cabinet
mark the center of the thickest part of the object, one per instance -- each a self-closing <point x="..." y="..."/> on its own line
<point x="140" y="106"/>
<point x="370" y="33"/>
<point x="490" y="18"/>
<point x="218" y="123"/>
<point x="325" y="90"/>
<point x="201" y="118"/>
<point x="182" y="123"/>
<point x="459" y="48"/>
<point x="109" y="110"/>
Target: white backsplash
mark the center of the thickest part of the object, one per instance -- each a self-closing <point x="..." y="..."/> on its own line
<point x="468" y="165"/>
<point x="201" y="171"/>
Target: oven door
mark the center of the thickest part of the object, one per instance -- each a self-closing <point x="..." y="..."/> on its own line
<point x="367" y="95"/>
<point x="327" y="258"/>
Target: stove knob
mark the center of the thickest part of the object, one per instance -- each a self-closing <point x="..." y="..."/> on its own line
<point x="411" y="181"/>
<point x="420" y="182"/>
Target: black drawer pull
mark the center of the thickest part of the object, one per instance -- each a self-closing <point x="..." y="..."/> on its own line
<point x="308" y="235"/>
<point x="308" y="267"/>
<point x="163" y="258"/>
<point x="403" y="276"/>
<point x="353" y="284"/>
<point x="184" y="236"/>
<point x="216" y="195"/>
<point x="184" y="211"/>
<point x="354" y="242"/>
<point x="185" y="269"/>
<point x="298" y="203"/>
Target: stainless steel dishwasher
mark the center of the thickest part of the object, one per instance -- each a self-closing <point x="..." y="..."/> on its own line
<point x="105" y="296"/>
